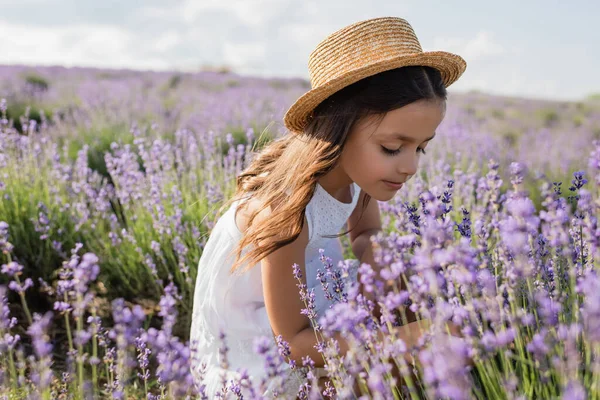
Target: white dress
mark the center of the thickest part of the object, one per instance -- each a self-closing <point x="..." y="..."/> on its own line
<point x="235" y="302"/>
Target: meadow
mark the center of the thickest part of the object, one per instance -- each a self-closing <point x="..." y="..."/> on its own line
<point x="111" y="180"/>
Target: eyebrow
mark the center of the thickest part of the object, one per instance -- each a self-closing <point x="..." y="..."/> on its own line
<point x="408" y="138"/>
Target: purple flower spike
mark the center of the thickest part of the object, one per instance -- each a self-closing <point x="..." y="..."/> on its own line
<point x="11" y="269"/>
<point x="20" y="288"/>
<point x="42" y="374"/>
<point x="5" y="246"/>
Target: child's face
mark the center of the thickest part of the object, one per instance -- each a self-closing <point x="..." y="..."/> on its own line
<point x="367" y="162"/>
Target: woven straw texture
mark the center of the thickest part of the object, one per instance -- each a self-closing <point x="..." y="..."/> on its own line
<point x="360" y="50"/>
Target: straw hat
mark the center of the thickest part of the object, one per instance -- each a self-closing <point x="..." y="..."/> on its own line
<point x="360" y="50"/>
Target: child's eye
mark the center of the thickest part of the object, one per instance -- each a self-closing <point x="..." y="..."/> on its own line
<point x="396" y="151"/>
<point x="391" y="152"/>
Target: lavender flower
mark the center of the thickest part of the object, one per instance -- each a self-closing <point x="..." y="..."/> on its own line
<point x="20" y="288"/>
<point x="517" y="171"/>
<point x="470" y="249"/>
<point x="168" y="310"/>
<point x="519" y="226"/>
<point x="465" y="226"/>
<point x="594" y="161"/>
<point x="42" y="373"/>
<point x="444" y="368"/>
<point x="5" y="246"/>
<point x="589" y="287"/>
<point x="578" y="181"/>
<point x="12" y="269"/>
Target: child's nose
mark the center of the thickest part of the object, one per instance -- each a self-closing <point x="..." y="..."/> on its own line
<point x="408" y="165"/>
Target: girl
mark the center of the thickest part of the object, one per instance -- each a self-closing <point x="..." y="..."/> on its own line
<point x="355" y="139"/>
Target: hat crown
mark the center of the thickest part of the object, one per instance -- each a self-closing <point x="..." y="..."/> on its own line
<point x="361" y="44"/>
<point x="361" y="50"/>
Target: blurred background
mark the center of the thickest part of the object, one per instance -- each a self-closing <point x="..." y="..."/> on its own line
<point x="537" y="49"/>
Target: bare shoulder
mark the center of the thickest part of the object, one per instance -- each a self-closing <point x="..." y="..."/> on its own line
<point x="242" y="216"/>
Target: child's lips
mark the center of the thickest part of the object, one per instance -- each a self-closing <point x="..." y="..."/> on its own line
<point x="393" y="185"/>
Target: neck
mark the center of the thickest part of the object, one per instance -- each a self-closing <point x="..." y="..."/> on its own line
<point x="337" y="183"/>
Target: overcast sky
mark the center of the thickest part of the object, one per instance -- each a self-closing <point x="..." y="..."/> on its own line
<point x="532" y="48"/>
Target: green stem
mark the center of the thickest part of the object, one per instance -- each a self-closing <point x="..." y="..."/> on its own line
<point x="80" y="354"/>
<point x="24" y="302"/>
<point x="13" y="370"/>
<point x="68" y="326"/>
<point x="319" y="336"/>
<point x="95" y="355"/>
<point x="108" y="375"/>
<point x="409" y="381"/>
<point x="596" y="375"/>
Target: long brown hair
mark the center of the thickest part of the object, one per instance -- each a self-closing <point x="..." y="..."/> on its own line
<point x="295" y="162"/>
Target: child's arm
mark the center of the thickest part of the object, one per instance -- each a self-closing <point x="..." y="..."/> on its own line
<point x="361" y="231"/>
<point x="369" y="225"/>
<point x="283" y="303"/>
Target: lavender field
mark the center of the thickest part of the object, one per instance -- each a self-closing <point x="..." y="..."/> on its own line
<point x="112" y="180"/>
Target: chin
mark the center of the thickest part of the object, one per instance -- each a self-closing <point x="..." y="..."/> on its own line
<point x="388" y="197"/>
<point x="380" y="195"/>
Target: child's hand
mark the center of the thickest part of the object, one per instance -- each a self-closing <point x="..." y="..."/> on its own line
<point x="456" y="331"/>
<point x="410" y="333"/>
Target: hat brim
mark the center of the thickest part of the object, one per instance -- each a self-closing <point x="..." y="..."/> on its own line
<point x="451" y="67"/>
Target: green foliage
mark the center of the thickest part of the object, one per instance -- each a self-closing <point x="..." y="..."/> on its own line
<point x="99" y="139"/>
<point x="280" y="84"/>
<point x="239" y="137"/>
<point x="481" y="115"/>
<point x="578" y="120"/>
<point x="305" y="84"/>
<point x="498" y="113"/>
<point x="21" y="210"/>
<point x="174" y="81"/>
<point x="594" y="97"/>
<point x="470" y="110"/>
<point x="36" y="81"/>
<point x="511" y="138"/>
<point x="580" y="106"/>
<point x="124" y="268"/>
<point x="107" y="75"/>
<point x="548" y="116"/>
<point x="123" y="235"/>
<point x="15" y="110"/>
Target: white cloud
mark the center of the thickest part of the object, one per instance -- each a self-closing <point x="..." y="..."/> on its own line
<point x="87" y="45"/>
<point x="245" y="56"/>
<point x="489" y="67"/>
<point x="306" y="34"/>
<point x="22" y="2"/>
<point x="252" y="13"/>
<point x="481" y="46"/>
<point x="167" y="40"/>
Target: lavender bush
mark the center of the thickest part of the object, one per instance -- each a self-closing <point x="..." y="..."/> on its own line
<point x="108" y="200"/>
